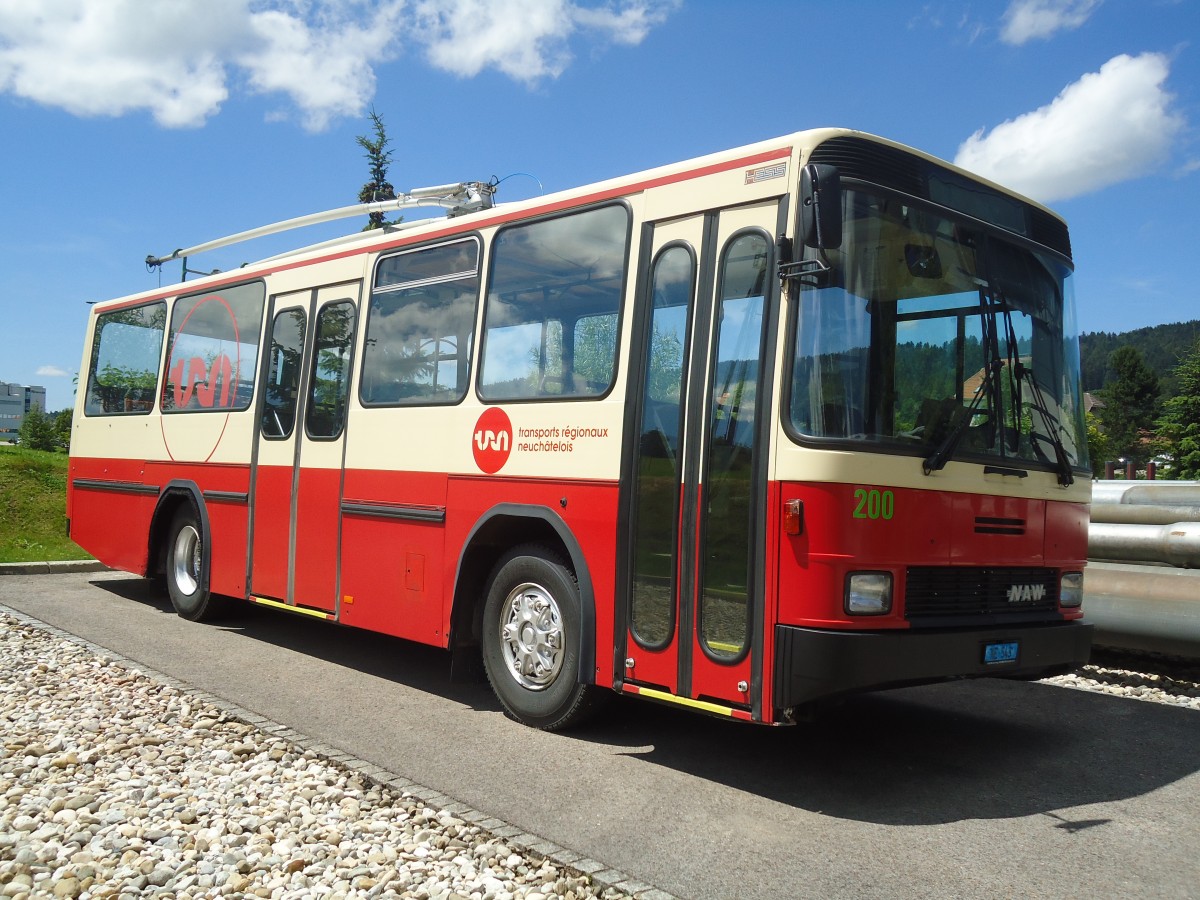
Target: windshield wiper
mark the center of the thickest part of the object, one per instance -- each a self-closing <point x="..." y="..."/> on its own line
<point x="1021" y="373"/>
<point x="1065" y="475"/>
<point x="989" y="387"/>
<point x="937" y="460"/>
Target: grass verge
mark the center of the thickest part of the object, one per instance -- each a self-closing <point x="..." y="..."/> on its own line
<point x="33" y="503"/>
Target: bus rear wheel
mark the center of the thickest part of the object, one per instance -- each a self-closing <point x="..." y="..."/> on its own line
<point x="185" y="565"/>
<point x="531" y="635"/>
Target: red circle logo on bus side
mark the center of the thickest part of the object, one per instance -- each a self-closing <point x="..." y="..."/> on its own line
<point x="492" y="440"/>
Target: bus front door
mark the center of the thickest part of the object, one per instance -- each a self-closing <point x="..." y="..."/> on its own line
<point x="692" y="573"/>
<point x="300" y="449"/>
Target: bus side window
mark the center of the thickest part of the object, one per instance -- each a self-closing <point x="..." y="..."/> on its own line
<point x="420" y="325"/>
<point x="124" y="367"/>
<point x="213" y="354"/>
<point x="551" y="318"/>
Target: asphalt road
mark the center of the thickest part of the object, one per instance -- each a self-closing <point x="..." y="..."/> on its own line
<point x="979" y="789"/>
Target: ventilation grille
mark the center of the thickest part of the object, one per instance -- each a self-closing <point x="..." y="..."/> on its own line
<point x="946" y="595"/>
<point x="876" y="163"/>
<point x="996" y="525"/>
<point x="1049" y="231"/>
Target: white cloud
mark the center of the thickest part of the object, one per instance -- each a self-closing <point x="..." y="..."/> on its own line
<point x="628" y="25"/>
<point x="1107" y="127"/>
<point x="180" y="60"/>
<point x="110" y="58"/>
<point x="52" y="372"/>
<point x="1027" y="20"/>
<point x="324" y="67"/>
<point x="525" y="40"/>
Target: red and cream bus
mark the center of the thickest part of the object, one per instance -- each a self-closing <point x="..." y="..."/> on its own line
<point x="744" y="433"/>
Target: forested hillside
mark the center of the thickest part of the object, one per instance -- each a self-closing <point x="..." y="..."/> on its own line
<point x="1161" y="346"/>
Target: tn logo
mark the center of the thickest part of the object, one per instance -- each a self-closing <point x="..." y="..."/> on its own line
<point x="490" y="440"/>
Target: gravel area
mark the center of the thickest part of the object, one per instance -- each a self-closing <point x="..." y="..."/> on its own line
<point x="1142" y="676"/>
<point x="114" y="784"/>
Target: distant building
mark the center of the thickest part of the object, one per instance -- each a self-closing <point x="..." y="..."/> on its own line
<point x="15" y="401"/>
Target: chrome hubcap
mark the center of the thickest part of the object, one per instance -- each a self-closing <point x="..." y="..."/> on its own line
<point x="531" y="637"/>
<point x="186" y="560"/>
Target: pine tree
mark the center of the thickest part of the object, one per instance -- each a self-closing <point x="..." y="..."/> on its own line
<point x="1179" y="427"/>
<point x="1130" y="404"/>
<point x="37" y="430"/>
<point x="379" y="157"/>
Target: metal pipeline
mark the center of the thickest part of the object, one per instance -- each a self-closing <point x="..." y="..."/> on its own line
<point x="1143" y="607"/>
<point x="1177" y="544"/>
<point x="1164" y="493"/>
<point x="1143" y="514"/>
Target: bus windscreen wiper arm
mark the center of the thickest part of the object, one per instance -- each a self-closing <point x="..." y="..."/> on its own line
<point x="1065" y="476"/>
<point x="937" y="460"/>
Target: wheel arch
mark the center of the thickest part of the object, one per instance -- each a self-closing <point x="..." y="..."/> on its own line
<point x="498" y="530"/>
<point x="175" y="494"/>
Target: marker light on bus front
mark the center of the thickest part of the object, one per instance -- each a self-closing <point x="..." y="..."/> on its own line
<point x="1070" y="591"/>
<point x="869" y="593"/>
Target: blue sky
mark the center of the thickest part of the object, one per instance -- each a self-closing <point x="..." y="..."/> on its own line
<point x="132" y="127"/>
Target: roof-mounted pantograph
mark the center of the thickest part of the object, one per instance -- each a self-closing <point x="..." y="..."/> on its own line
<point x="457" y="199"/>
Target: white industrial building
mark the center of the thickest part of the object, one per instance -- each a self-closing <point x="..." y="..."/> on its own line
<point x="15" y="401"/>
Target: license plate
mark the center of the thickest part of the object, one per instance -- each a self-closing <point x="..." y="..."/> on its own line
<point x="1000" y="653"/>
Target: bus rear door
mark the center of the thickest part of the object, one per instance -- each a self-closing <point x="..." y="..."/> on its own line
<point x="301" y="446"/>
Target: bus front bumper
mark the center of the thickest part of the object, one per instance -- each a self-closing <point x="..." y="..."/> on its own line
<point x="813" y="664"/>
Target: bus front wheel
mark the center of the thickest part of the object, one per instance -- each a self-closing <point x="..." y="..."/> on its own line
<point x="531" y="633"/>
<point x="185" y="559"/>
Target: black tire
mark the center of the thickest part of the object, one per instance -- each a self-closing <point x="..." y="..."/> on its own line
<point x="531" y="638"/>
<point x="186" y="566"/>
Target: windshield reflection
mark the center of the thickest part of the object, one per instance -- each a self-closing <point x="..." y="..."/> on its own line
<point x="939" y="339"/>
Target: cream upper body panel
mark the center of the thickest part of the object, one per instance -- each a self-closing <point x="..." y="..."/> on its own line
<point x="567" y="438"/>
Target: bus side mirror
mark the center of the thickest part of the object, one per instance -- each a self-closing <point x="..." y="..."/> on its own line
<point x="821" y="206"/>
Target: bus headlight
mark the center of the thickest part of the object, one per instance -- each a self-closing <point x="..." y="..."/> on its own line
<point x="868" y="593"/>
<point x="1070" y="590"/>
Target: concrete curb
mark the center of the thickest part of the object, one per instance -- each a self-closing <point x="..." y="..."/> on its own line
<point x="53" y="567"/>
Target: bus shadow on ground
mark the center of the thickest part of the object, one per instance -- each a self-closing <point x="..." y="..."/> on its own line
<point x="941" y="753"/>
<point x="418" y="666"/>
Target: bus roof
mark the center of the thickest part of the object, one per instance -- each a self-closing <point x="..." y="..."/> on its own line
<point x="795" y="145"/>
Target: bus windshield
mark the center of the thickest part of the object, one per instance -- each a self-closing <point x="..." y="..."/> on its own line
<point x="939" y="338"/>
